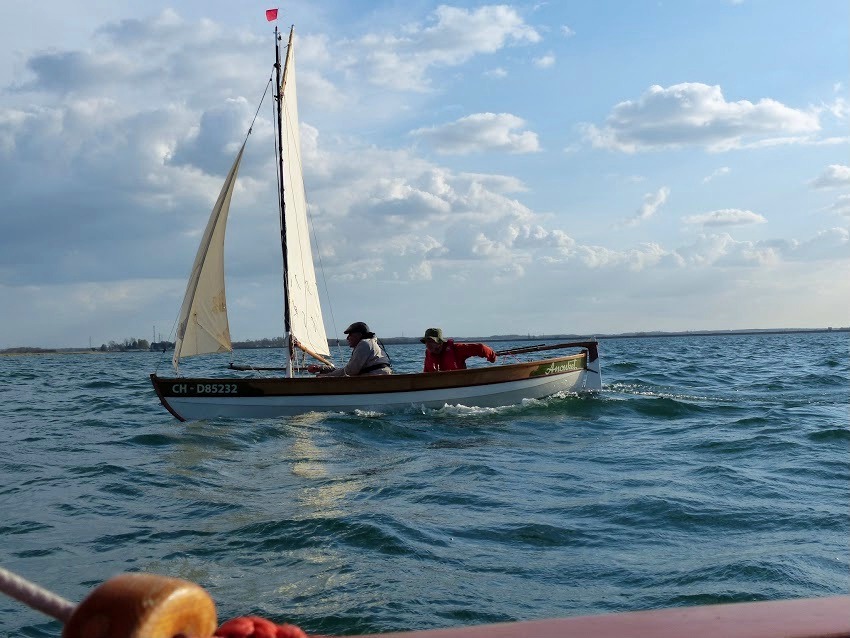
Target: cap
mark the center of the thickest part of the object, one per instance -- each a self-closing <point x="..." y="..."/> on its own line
<point x="432" y="334"/>
<point x="361" y="328"/>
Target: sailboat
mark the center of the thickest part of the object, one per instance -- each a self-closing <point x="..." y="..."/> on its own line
<point x="203" y="328"/>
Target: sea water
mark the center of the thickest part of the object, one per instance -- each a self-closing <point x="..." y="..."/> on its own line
<point x="709" y="469"/>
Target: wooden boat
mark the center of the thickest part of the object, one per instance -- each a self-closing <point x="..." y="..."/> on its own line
<point x="203" y="398"/>
<point x="203" y="324"/>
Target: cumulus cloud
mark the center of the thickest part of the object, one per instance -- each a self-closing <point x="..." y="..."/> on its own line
<point x="726" y="217"/>
<point x="834" y="176"/>
<point x="709" y="251"/>
<point x="453" y="36"/>
<point x="111" y="158"/>
<point x="636" y="259"/>
<point x="481" y="132"/>
<point x="833" y="243"/>
<point x="693" y="114"/>
<point x="723" y="250"/>
<point x="420" y="272"/>
<point x="146" y="59"/>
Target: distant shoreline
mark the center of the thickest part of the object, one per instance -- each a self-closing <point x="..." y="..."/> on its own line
<point x="632" y="335"/>
<point x="244" y="345"/>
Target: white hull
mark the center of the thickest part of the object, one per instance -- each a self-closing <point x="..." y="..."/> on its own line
<point x="512" y="392"/>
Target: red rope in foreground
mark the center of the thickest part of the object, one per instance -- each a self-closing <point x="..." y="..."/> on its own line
<point x="256" y="627"/>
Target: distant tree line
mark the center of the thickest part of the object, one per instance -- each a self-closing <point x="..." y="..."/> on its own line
<point x="135" y="345"/>
<point x="274" y="342"/>
<point x="126" y="345"/>
<point x="26" y="350"/>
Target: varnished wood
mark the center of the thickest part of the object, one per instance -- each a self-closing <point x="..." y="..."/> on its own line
<point x="143" y="606"/>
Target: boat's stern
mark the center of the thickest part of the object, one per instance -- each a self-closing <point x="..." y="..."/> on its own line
<point x="593" y="374"/>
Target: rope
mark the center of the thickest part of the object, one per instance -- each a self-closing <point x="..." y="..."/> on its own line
<point x="255" y="627"/>
<point x="34" y="596"/>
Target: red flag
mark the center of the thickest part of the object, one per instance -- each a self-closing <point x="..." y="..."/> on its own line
<point x="271" y="15"/>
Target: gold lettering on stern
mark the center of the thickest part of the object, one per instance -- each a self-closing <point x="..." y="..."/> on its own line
<point x="556" y="368"/>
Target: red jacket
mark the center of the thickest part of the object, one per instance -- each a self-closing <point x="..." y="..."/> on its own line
<point x="454" y="356"/>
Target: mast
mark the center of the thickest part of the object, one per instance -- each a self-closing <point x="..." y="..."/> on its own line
<point x="280" y="75"/>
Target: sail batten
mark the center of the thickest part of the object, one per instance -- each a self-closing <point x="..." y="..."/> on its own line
<point x="202" y="326"/>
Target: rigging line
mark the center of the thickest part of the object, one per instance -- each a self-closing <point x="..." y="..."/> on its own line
<point x="259" y="106"/>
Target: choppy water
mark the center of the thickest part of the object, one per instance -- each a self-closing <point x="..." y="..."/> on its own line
<point x="708" y="470"/>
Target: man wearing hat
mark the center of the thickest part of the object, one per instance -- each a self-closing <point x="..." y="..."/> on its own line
<point x="444" y="354"/>
<point x="367" y="356"/>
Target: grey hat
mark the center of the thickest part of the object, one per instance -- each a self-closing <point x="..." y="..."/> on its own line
<point x="360" y="327"/>
<point x="432" y="334"/>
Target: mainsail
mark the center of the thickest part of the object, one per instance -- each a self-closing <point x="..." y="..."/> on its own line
<point x="305" y="312"/>
<point x="202" y="326"/>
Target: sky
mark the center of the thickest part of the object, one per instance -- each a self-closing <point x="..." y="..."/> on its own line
<point x="530" y="168"/>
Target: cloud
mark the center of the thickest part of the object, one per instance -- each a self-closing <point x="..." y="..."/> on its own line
<point x="833" y="243"/>
<point x="722" y="250"/>
<point x="544" y="62"/>
<point x="726" y="217"/>
<point x="420" y="272"/>
<point x="636" y="259"/>
<point x="713" y="251"/>
<point x="566" y="31"/>
<point x="454" y="36"/>
<point x="841" y="206"/>
<point x="145" y="59"/>
<point x="835" y="175"/>
<point x="839" y="108"/>
<point x="694" y="114"/>
<point x="651" y="203"/>
<point x="111" y="158"/>
<point x="481" y="132"/>
<point x="723" y="170"/>
<point x="497" y="73"/>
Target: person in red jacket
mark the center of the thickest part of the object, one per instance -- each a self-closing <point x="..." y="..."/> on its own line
<point x="444" y="354"/>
